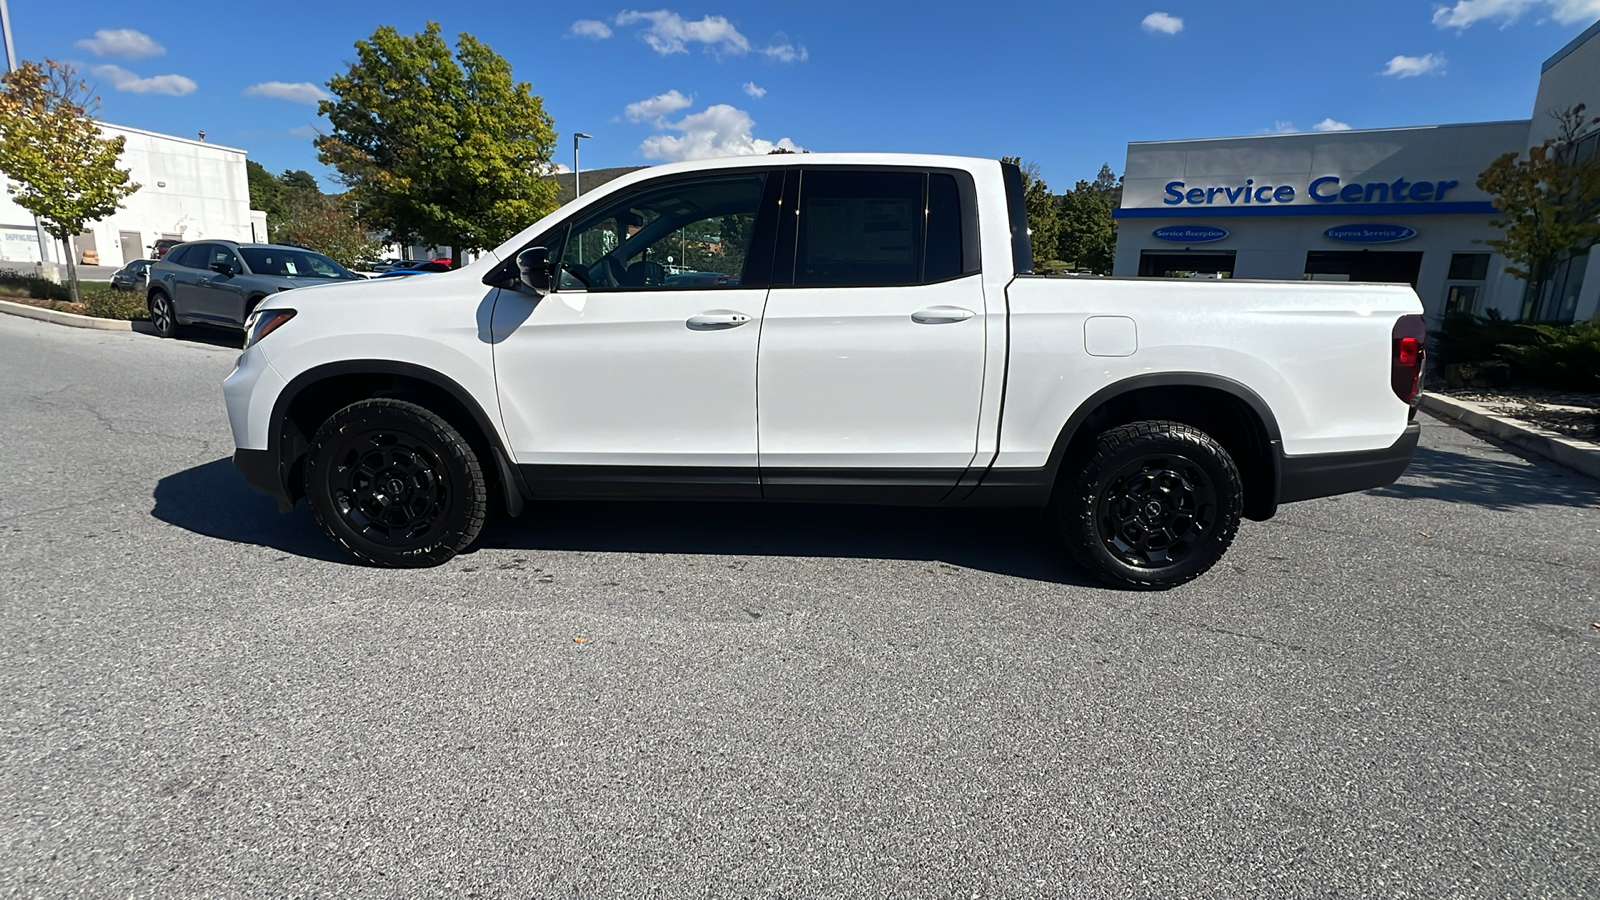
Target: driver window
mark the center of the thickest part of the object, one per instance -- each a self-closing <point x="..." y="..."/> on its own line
<point x="680" y="235"/>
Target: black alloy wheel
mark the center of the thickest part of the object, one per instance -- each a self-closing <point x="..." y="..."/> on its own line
<point x="1153" y="505"/>
<point x="395" y="484"/>
<point x="162" y="316"/>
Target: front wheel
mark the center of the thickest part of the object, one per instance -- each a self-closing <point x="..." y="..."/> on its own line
<point x="1151" y="506"/>
<point x="162" y="315"/>
<point x="395" y="484"/>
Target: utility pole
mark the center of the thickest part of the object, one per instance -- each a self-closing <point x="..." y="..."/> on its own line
<point x="11" y="66"/>
<point x="577" y="176"/>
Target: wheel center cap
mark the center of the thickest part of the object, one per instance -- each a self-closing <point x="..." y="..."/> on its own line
<point x="394" y="487"/>
<point x="1152" y="510"/>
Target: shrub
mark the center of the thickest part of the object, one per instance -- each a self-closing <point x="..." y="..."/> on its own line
<point x="1565" y="357"/>
<point x="18" y="285"/>
<point x="115" y="305"/>
<point x="1468" y="339"/>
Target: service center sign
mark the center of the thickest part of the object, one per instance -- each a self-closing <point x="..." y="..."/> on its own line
<point x="1327" y="189"/>
<point x="1190" y="234"/>
<point x="1370" y="234"/>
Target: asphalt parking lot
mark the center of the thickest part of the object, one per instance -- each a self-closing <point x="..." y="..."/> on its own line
<point x="1390" y="694"/>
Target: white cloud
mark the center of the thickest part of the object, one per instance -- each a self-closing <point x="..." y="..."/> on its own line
<point x="294" y="92"/>
<point x="1162" y="22"/>
<point x="123" y="43"/>
<point x="1411" y="66"/>
<point x="669" y="33"/>
<point x="656" y="107"/>
<point x="783" y="50"/>
<point x="304" y="131"/>
<point x="1331" y="124"/>
<point x="123" y="80"/>
<point x="718" y="131"/>
<point x="556" y="168"/>
<point x="1466" y="13"/>
<point x="754" y="90"/>
<point x="591" y="29"/>
<point x="1281" y="127"/>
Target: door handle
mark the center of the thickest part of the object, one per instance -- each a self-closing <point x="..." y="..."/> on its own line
<point x="941" y="315"/>
<point x="716" y="320"/>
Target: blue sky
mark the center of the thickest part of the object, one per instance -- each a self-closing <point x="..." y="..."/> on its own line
<point x="1065" y="84"/>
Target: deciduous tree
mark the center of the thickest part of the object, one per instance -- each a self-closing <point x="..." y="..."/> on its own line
<point x="1088" y="233"/>
<point x="1549" y="203"/>
<point x="438" y="147"/>
<point x="63" y="168"/>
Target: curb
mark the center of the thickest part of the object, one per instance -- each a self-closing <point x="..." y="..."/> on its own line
<point x="1573" y="454"/>
<point x="63" y="318"/>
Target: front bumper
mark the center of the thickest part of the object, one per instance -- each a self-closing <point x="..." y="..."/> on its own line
<point x="1327" y="474"/>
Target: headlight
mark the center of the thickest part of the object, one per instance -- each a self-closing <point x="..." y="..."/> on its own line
<point x="263" y="322"/>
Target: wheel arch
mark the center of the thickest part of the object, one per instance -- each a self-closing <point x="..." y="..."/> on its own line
<point x="313" y="395"/>
<point x="1230" y="411"/>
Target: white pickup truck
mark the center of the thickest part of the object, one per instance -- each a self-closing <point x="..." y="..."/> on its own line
<point x="854" y="328"/>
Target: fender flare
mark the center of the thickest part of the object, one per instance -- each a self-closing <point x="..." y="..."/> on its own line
<point x="1238" y="390"/>
<point x="510" y="478"/>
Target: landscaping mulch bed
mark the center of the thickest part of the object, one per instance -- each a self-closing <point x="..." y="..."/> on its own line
<point x="57" y="305"/>
<point x="1567" y="413"/>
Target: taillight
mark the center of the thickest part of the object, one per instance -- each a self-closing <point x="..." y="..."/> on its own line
<point x="1409" y="339"/>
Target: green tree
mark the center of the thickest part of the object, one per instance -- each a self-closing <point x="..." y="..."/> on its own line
<point x="441" y="148"/>
<point x="329" y="226"/>
<point x="1044" y="219"/>
<point x="1088" y="238"/>
<point x="266" y="194"/>
<point x="1549" y="205"/>
<point x="65" y="171"/>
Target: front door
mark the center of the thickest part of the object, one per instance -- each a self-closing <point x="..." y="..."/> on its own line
<point x="872" y="361"/>
<point x="218" y="297"/>
<point x="641" y="367"/>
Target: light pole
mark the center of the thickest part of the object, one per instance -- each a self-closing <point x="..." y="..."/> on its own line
<point x="577" y="177"/>
<point x="11" y="66"/>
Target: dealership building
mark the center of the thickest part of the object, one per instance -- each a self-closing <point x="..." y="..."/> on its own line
<point x="189" y="189"/>
<point x="1387" y="204"/>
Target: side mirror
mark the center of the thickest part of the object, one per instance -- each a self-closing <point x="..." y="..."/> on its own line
<point x="533" y="267"/>
<point x="222" y="269"/>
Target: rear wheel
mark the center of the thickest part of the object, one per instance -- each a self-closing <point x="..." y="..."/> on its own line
<point x="1151" y="506"/>
<point x="162" y="315"/>
<point x="395" y="484"/>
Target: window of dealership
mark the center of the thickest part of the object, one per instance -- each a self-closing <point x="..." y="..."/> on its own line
<point x="1389" y="205"/>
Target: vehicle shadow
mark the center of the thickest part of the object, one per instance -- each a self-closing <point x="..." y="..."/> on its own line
<point x="1459" y="478"/>
<point x="197" y="334"/>
<point x="213" y="500"/>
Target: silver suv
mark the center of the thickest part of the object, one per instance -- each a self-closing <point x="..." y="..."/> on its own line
<point x="220" y="282"/>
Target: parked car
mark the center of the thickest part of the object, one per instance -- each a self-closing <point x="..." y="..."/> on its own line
<point x="413" y="267"/>
<point x="131" y="277"/>
<point x="220" y="282"/>
<point x="163" y="246"/>
<point x="887" y="342"/>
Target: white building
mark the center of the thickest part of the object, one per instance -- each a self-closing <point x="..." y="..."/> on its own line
<point x="1389" y="204"/>
<point x="189" y="189"/>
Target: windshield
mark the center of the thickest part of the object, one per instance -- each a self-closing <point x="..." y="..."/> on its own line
<point x="291" y="263"/>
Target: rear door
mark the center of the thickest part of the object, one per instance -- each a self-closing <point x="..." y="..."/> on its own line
<point x="871" y="364"/>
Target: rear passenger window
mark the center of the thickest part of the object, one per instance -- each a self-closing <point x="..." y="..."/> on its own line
<point x="943" y="259"/>
<point x="878" y="229"/>
<point x="179" y="256"/>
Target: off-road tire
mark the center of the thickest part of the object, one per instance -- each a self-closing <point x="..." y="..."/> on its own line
<point x="1151" y="505"/>
<point x="395" y="484"/>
